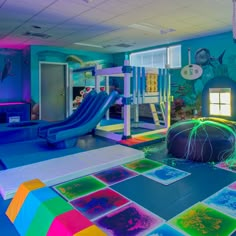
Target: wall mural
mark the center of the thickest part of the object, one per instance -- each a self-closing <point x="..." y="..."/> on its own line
<point x="6" y="71"/>
<point x="10" y="75"/>
<point x="187" y="92"/>
<point x="211" y="67"/>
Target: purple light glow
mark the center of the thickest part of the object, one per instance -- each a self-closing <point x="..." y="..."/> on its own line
<point x="10" y="103"/>
<point x="12" y="43"/>
<point x="13" y="46"/>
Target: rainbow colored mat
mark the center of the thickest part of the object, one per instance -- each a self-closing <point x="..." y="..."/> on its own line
<point x="38" y="210"/>
<point x="142" y="140"/>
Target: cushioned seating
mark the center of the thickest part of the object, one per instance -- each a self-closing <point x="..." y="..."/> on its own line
<point x="38" y="210"/>
<point x="203" y="139"/>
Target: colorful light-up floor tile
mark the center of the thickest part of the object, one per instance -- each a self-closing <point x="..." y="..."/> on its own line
<point x="131" y="142"/>
<point x="79" y="187"/>
<point x="129" y="220"/>
<point x="165" y="230"/>
<point x="224" y="201"/>
<point x="142" y="165"/>
<point x="141" y="140"/>
<point x="166" y="174"/>
<point x="202" y="220"/>
<point x="223" y="165"/>
<point x="115" y="175"/>
<point x="99" y="203"/>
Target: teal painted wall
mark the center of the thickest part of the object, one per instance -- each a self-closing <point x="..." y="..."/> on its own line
<point x="119" y="58"/>
<point x="56" y="54"/>
<point x="187" y="94"/>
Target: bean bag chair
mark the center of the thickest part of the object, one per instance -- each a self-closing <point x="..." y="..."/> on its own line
<point x="202" y="139"/>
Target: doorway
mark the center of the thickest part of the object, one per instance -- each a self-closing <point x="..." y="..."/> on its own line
<point x="53" y="91"/>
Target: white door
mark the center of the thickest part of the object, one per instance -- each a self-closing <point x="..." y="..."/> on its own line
<point x="53" y="91"/>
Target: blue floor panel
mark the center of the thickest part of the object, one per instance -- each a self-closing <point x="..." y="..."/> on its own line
<point x="168" y="201"/>
<point x="28" y="152"/>
<point x="7" y="228"/>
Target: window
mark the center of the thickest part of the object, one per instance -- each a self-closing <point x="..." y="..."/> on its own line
<point x="174" y="56"/>
<point x="220" y="101"/>
<point x="158" y="58"/>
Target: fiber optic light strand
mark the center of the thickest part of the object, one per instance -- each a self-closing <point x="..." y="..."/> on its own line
<point x="198" y="131"/>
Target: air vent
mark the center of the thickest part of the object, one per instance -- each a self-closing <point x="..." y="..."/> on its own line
<point x="158" y="29"/>
<point x="123" y="45"/>
<point x="166" y="31"/>
<point x="39" y="35"/>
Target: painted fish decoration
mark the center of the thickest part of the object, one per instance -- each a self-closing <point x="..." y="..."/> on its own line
<point x="6" y="70"/>
<point x="203" y="57"/>
<point x="74" y="58"/>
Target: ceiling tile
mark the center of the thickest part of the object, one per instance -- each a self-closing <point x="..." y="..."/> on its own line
<point x="88" y="3"/>
<point x="112" y="7"/>
<point x="70" y="9"/>
<point x="107" y="22"/>
<point x="95" y="15"/>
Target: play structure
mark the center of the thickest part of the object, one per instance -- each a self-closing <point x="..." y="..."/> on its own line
<point x="142" y="86"/>
<point x="62" y="134"/>
<point x="80" y="95"/>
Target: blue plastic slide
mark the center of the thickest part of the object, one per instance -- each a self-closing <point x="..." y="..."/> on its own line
<point x="67" y="137"/>
<point x="42" y="131"/>
<point x="90" y="111"/>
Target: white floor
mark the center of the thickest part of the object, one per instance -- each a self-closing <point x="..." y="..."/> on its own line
<point x="62" y="169"/>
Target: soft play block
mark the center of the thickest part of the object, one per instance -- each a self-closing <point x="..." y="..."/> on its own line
<point x="30" y="206"/>
<point x="45" y="215"/>
<point x="68" y="224"/>
<point x="92" y="230"/>
<point x="21" y="194"/>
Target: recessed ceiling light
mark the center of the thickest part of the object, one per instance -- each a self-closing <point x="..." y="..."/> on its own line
<point x="35" y="34"/>
<point x="144" y="27"/>
<point x="89" y="45"/>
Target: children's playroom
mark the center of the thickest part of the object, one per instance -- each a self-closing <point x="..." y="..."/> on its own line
<point x="117" y="118"/>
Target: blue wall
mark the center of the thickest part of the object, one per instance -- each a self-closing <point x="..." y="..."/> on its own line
<point x="11" y="82"/>
<point x="26" y="76"/>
